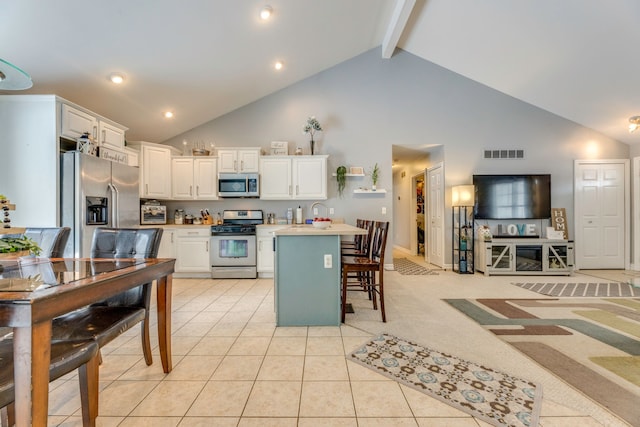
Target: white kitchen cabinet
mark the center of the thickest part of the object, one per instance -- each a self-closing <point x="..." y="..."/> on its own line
<point x="192" y="250"/>
<point x="167" y="243"/>
<point x="75" y="122"/>
<point x="132" y="156"/>
<point x="293" y="177"/>
<point x="275" y="178"/>
<point x="265" y="252"/>
<point x="110" y="135"/>
<point x="194" y="178"/>
<point x="238" y="160"/>
<point x="155" y="169"/>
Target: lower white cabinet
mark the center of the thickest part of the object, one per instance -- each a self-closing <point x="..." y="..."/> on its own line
<point x="525" y="257"/>
<point x="192" y="250"/>
<point x="265" y="253"/>
<point x="167" y="244"/>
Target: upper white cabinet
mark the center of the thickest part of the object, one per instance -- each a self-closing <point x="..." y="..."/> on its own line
<point x="293" y="177"/>
<point x="110" y="135"/>
<point x="275" y="178"/>
<point x="194" y="178"/>
<point x="76" y="122"/>
<point x="155" y="169"/>
<point x="238" y="160"/>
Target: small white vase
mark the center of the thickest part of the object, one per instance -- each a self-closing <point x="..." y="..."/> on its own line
<point x="373" y="187"/>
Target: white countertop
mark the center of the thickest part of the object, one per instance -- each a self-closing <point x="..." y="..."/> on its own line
<point x="310" y="230"/>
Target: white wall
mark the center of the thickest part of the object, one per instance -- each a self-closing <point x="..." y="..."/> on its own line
<point x="367" y="104"/>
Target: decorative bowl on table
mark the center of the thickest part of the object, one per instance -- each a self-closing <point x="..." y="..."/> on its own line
<point x="321" y="223"/>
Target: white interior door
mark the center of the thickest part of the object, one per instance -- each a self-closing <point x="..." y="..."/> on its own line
<point x="601" y="213"/>
<point x="434" y="238"/>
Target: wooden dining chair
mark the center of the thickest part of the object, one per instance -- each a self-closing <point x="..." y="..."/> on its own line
<point x="51" y="241"/>
<point x="66" y="356"/>
<point x="105" y="320"/>
<point x="369" y="271"/>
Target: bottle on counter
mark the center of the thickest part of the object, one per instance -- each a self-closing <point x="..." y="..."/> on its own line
<point x="219" y="219"/>
<point x="289" y="216"/>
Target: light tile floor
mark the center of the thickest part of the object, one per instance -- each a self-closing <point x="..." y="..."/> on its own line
<point x="234" y="367"/>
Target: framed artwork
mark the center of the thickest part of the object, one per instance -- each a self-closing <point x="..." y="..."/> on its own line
<point x="356" y="170"/>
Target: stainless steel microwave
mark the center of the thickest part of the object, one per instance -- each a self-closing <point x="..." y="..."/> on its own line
<point x="238" y="185"/>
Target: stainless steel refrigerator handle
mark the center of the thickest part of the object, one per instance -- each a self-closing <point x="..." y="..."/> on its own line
<point x="115" y="195"/>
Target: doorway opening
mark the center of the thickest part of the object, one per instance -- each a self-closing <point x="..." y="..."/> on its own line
<point x="418" y="200"/>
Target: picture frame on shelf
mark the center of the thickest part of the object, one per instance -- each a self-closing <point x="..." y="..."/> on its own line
<point x="279" y="148"/>
<point x="356" y="170"/>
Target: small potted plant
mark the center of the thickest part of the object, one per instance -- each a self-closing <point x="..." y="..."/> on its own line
<point x="13" y="247"/>
<point x="341" y="177"/>
<point x="311" y="128"/>
<point x="374" y="177"/>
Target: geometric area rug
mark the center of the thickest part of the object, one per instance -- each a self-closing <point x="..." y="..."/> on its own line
<point x="592" y="344"/>
<point x="495" y="397"/>
<point x="592" y="289"/>
<point x="407" y="267"/>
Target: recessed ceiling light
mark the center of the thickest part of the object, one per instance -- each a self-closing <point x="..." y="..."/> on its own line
<point x="167" y="114"/>
<point x="116" y="78"/>
<point x="265" y="12"/>
<point x="278" y="65"/>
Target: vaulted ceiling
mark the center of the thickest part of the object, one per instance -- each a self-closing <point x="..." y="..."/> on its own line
<point x="204" y="58"/>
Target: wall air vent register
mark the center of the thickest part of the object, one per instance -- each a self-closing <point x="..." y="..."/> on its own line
<point x="504" y="154"/>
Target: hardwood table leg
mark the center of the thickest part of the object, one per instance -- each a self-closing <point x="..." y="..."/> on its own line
<point x="32" y="356"/>
<point x="164" y="321"/>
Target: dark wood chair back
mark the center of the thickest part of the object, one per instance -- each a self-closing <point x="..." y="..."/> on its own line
<point x="127" y="243"/>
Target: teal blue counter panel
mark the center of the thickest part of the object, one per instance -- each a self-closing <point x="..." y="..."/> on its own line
<point x="307" y="293"/>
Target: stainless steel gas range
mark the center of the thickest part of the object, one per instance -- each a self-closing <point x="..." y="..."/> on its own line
<point x="233" y="245"/>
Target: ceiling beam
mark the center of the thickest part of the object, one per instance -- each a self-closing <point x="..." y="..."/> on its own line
<point x="396" y="26"/>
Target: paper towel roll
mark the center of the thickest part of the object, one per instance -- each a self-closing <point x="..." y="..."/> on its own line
<point x="299" y="215"/>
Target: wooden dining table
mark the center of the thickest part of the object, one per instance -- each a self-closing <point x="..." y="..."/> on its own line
<point x="35" y="290"/>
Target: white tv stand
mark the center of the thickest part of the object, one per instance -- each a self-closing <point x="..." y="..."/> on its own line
<point x="524" y="256"/>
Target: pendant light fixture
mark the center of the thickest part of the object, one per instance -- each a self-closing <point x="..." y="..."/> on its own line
<point x="13" y="78"/>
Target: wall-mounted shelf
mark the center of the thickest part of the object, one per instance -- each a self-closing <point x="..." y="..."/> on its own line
<point x="363" y="191"/>
<point x="349" y="174"/>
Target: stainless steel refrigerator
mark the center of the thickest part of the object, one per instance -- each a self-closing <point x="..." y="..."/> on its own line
<point x="95" y="193"/>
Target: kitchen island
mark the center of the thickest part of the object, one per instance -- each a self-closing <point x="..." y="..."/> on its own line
<point x="307" y="274"/>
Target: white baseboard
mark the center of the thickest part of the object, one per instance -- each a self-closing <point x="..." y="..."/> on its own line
<point x="402" y="249"/>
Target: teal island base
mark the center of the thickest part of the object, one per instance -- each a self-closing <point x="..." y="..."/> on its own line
<point x="307" y="292"/>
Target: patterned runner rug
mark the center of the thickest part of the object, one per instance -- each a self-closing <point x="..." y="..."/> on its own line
<point x="410" y="268"/>
<point x="492" y="396"/>
<point x="608" y="289"/>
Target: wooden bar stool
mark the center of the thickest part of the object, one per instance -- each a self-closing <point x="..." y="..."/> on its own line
<point x="361" y="244"/>
<point x="365" y="268"/>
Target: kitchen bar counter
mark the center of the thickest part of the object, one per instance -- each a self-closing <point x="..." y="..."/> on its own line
<point x="310" y="230"/>
<point x="307" y="274"/>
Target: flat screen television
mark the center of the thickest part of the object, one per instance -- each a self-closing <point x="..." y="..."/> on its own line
<point x="512" y="196"/>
